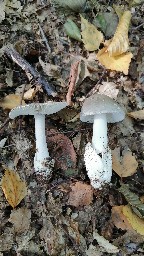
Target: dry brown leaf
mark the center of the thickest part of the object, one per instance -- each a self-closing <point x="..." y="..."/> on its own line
<point x="118" y="63"/>
<point x="126" y="165"/>
<point x="136" y="222"/>
<point x="21" y="219"/>
<point x="81" y="194"/>
<point x="62" y="150"/>
<point x="91" y="37"/>
<point x="120" y="42"/>
<point x="13" y="187"/>
<point x="11" y="101"/>
<point x="29" y="95"/>
<point x="137" y="114"/>
<point x="119" y="219"/>
<point x="109" y="89"/>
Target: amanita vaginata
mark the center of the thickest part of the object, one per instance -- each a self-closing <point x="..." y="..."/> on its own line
<point x="100" y="109"/>
<point x="42" y="162"/>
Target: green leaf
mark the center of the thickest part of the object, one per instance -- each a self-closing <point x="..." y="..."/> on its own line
<point x="72" y="30"/>
<point x="107" y="22"/>
<point x="133" y="200"/>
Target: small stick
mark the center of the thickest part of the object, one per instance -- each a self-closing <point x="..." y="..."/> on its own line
<point x="31" y="73"/>
<point x="44" y="39"/>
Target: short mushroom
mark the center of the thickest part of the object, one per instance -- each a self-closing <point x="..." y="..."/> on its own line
<point x="100" y="109"/>
<point x="42" y="163"/>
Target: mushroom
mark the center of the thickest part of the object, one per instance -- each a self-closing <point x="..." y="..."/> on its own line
<point x="42" y="163"/>
<point x="100" y="109"/>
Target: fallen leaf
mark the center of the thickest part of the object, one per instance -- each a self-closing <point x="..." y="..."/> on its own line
<point x="107" y="22"/>
<point x="118" y="63"/>
<point x="135" y="2"/>
<point x="109" y="89"/>
<point x="50" y="69"/>
<point x="120" y="43"/>
<point x="2" y="10"/>
<point x="119" y="219"/>
<point x="119" y="9"/>
<point x="133" y="200"/>
<point x="91" y="37"/>
<point x="93" y="251"/>
<point x="81" y="194"/>
<point x="2" y="142"/>
<point x="72" y="30"/>
<point x="74" y="5"/>
<point x="11" y="101"/>
<point x="29" y="95"/>
<point x="126" y="165"/>
<point x="105" y="245"/>
<point x="83" y="72"/>
<point x="13" y="187"/>
<point x="21" y="219"/>
<point x="137" y="114"/>
<point x="136" y="222"/>
<point x="62" y="150"/>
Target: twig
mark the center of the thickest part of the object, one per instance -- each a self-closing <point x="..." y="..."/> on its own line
<point x="3" y="125"/>
<point x="33" y="75"/>
<point x="139" y="26"/>
<point x="44" y="39"/>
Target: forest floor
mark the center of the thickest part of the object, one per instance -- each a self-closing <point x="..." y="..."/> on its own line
<point x="65" y="215"/>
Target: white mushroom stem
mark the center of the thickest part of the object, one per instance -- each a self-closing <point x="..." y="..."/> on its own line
<point x="99" y="139"/>
<point x="42" y="153"/>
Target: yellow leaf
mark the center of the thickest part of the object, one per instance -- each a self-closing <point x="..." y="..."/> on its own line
<point x="136" y="222"/>
<point x="91" y="37"/>
<point x="120" y="42"/>
<point x="11" y="101"/>
<point x="124" y="166"/>
<point x="117" y="63"/>
<point x="137" y="114"/>
<point x="13" y="187"/>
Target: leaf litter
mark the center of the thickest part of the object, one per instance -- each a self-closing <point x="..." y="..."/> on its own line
<point x="62" y="216"/>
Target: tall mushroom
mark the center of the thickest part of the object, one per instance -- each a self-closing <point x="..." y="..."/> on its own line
<point x="100" y="109"/>
<point x="42" y="163"/>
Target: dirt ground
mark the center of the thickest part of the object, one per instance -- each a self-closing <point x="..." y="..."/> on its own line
<point x="64" y="215"/>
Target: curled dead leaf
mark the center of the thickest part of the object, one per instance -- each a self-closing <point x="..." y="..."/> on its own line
<point x="120" y="42"/>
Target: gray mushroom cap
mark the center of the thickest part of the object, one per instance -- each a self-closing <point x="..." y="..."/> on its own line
<point x="47" y="108"/>
<point x="101" y="104"/>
